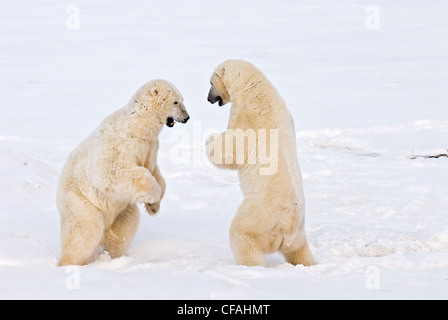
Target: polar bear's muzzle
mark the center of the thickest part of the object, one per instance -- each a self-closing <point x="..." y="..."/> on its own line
<point x="171" y="121"/>
<point x="213" y="99"/>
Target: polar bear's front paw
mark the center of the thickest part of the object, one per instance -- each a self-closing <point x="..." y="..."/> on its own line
<point x="213" y="148"/>
<point x="152" y="208"/>
<point x="209" y="148"/>
<point x="152" y="194"/>
<point x="148" y="190"/>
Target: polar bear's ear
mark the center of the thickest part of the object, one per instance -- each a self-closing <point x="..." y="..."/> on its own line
<point x="219" y="71"/>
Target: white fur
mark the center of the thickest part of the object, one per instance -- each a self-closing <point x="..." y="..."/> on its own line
<point x="114" y="168"/>
<point x="272" y="215"/>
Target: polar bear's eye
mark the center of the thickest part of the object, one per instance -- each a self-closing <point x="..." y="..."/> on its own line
<point x="175" y="102"/>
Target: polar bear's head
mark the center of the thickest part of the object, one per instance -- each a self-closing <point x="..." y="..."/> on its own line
<point x="231" y="77"/>
<point x="169" y="102"/>
<point x="218" y="91"/>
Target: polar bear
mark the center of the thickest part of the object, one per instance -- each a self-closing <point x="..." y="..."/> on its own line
<point x="111" y="171"/>
<point x="260" y="143"/>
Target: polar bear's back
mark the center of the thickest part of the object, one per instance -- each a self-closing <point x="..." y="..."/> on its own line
<point x="81" y="166"/>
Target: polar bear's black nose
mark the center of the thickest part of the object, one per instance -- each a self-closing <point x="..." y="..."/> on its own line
<point x="186" y="119"/>
<point x="213" y="99"/>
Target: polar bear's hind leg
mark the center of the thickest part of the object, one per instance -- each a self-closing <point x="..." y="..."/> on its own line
<point x="81" y="234"/>
<point x="245" y="250"/>
<point x="118" y="237"/>
<point x="302" y="255"/>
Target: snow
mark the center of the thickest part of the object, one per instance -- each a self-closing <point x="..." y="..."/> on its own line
<point x="365" y="98"/>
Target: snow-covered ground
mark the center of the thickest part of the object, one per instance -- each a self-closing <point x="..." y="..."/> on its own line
<point x="366" y="82"/>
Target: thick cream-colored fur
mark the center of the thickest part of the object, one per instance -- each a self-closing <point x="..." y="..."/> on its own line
<point x="272" y="215"/>
<point x="114" y="168"/>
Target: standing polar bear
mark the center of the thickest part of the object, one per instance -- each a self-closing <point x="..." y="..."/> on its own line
<point x="114" y="168"/>
<point x="260" y="143"/>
